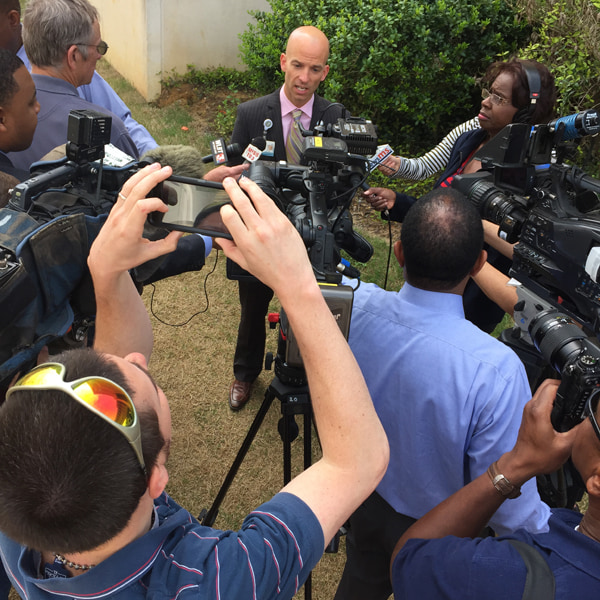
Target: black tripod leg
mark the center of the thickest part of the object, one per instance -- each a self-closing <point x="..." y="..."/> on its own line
<point x="209" y="518"/>
<point x="289" y="410"/>
<point x="307" y="439"/>
<point x="287" y="447"/>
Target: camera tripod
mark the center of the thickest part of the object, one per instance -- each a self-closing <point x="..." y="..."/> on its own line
<point x="295" y="400"/>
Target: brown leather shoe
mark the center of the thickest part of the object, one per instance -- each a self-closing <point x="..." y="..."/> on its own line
<point x="239" y="394"/>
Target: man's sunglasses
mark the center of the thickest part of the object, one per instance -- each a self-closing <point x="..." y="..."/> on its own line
<point x="102" y="396"/>
<point x="101" y="48"/>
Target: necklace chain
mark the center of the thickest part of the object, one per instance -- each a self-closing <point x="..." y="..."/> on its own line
<point x="61" y="559"/>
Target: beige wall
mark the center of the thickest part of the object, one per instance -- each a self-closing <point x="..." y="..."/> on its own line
<point x="147" y="37"/>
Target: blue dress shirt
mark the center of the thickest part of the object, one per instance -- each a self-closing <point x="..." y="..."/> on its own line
<point x="99" y="92"/>
<point x="450" y="398"/>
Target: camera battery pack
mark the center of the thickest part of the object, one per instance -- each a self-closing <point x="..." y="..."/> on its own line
<point x="339" y="299"/>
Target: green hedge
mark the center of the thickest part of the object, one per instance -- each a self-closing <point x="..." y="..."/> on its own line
<point x="408" y="65"/>
<point x="566" y="39"/>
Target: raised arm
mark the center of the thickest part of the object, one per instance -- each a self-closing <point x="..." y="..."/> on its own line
<point x="435" y="160"/>
<point x="495" y="285"/>
<point x="122" y="322"/>
<point x="355" y="449"/>
<point x="491" y="237"/>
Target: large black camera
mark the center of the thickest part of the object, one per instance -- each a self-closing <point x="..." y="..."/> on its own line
<point x="46" y="231"/>
<point x="552" y="211"/>
<point x="316" y="197"/>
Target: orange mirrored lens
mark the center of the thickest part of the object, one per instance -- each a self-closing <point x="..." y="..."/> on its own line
<point x="104" y="396"/>
<point x="107" y="399"/>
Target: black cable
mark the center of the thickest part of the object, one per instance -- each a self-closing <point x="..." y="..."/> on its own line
<point x="389" y="258"/>
<point x="195" y="314"/>
<point x="351" y="193"/>
<point x="390" y="244"/>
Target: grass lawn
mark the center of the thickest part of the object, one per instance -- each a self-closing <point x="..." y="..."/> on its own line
<point x="193" y="363"/>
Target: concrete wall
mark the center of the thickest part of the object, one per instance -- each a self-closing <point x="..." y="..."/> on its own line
<point x="147" y="37"/>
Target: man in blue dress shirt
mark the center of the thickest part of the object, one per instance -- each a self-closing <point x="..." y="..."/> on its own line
<point x="450" y="396"/>
<point x="63" y="42"/>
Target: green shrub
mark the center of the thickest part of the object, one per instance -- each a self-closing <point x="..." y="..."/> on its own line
<point x="207" y="80"/>
<point x="408" y="65"/>
<point x="565" y="39"/>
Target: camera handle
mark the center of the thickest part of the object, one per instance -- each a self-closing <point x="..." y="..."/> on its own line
<point x="564" y="487"/>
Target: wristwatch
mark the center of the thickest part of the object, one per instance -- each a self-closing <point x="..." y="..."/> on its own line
<point x="502" y="484"/>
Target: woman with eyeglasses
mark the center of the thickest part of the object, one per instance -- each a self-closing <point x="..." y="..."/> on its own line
<point x="515" y="91"/>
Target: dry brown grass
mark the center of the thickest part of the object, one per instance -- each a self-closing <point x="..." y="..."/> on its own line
<point x="193" y="363"/>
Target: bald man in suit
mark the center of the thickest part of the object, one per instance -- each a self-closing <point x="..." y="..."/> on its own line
<point x="304" y="64"/>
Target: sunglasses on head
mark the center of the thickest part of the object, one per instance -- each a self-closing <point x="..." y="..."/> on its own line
<point x="102" y="396"/>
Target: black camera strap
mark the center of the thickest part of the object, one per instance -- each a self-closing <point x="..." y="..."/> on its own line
<point x="539" y="584"/>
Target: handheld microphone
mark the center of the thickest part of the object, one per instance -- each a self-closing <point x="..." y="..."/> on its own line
<point x="220" y="152"/>
<point x="254" y="149"/>
<point x="380" y="155"/>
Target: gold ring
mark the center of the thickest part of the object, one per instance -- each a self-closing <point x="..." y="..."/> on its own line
<point x="122" y="197"/>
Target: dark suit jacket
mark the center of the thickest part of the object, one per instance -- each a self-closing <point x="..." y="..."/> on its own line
<point x="252" y="114"/>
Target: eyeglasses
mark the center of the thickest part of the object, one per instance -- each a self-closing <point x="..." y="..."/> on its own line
<point x="590" y="411"/>
<point x="102" y="396"/>
<point x="497" y="100"/>
<point x="101" y="48"/>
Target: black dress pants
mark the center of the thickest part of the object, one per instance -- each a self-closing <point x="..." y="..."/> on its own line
<point x="373" y="531"/>
<point x="250" y="347"/>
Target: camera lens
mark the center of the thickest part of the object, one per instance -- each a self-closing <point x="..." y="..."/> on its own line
<point x="557" y="337"/>
<point x="493" y="205"/>
<point x="263" y="177"/>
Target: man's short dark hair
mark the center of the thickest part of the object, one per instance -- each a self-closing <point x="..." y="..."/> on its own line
<point x="9" y="63"/>
<point x="70" y="481"/>
<point x="442" y="237"/>
<point x="7" y="5"/>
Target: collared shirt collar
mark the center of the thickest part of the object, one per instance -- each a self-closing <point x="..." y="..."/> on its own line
<point x="286" y="112"/>
<point x="434" y="301"/>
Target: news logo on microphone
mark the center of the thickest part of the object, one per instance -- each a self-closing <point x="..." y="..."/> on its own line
<point x="254" y="149"/>
<point x="218" y="151"/>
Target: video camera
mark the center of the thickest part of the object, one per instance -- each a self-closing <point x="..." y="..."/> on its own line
<point x="316" y="198"/>
<point x="552" y="211"/>
<point x="46" y="231"/>
<point x="89" y="186"/>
